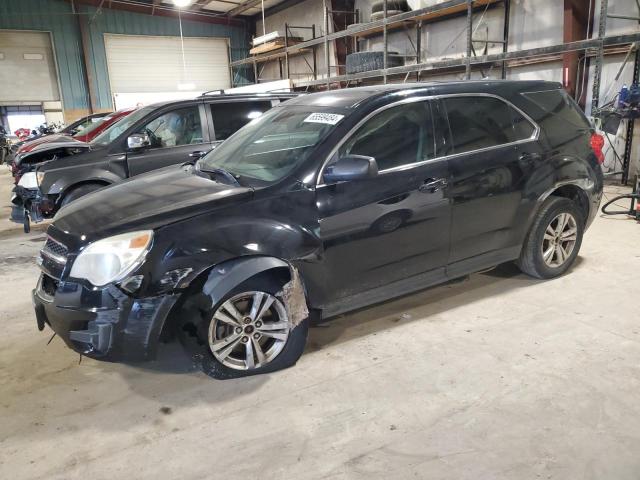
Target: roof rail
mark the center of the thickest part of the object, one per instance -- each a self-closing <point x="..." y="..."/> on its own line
<point x="211" y="92"/>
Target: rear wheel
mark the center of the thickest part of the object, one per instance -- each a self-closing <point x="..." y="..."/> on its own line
<point x="80" y="191"/>
<point x="554" y="240"/>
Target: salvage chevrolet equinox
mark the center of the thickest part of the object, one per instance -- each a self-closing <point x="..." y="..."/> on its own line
<point x="327" y="203"/>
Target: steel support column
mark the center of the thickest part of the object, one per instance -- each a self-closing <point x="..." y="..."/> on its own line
<point x="626" y="157"/>
<point x="326" y="41"/>
<point x="385" y="42"/>
<point x="469" y="39"/>
<point x="597" y="71"/>
<point x="505" y="34"/>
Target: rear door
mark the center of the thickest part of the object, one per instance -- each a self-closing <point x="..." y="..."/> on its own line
<point x="493" y="151"/>
<point x="176" y="135"/>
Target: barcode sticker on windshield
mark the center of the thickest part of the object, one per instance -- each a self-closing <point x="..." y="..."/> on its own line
<point x="328" y="118"/>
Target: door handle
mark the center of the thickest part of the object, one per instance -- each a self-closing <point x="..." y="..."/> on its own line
<point x="197" y="154"/>
<point x="432" y="185"/>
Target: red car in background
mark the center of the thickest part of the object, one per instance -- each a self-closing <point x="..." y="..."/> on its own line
<point x="85" y="135"/>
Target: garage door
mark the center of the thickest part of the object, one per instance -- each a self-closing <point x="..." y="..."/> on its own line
<point x="140" y="63"/>
<point x="27" y="68"/>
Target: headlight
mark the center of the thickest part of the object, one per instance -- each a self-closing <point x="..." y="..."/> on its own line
<point x="29" y="181"/>
<point x="111" y="259"/>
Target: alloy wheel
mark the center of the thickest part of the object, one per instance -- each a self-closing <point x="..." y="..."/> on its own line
<point x="559" y="240"/>
<point x="249" y="330"/>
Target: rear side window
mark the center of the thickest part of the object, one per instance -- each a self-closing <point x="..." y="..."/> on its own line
<point x="230" y="117"/>
<point x="558" y="115"/>
<point x="482" y="122"/>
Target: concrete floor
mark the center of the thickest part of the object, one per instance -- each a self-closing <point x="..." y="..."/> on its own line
<point x="499" y="376"/>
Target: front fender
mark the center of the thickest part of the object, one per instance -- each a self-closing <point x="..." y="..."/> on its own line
<point x="226" y="276"/>
<point x="229" y="274"/>
<point x="67" y="180"/>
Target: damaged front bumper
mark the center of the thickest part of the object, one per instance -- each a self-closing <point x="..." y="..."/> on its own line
<point x="28" y="204"/>
<point x="105" y="324"/>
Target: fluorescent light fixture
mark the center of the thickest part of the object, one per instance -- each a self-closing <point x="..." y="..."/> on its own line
<point x="182" y="3"/>
<point x="186" y="86"/>
<point x="254" y="114"/>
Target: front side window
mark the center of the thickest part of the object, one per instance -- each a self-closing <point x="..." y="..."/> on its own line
<point x="175" y="128"/>
<point x="230" y="117"/>
<point x="482" y="122"/>
<point x="121" y="126"/>
<point x="397" y="136"/>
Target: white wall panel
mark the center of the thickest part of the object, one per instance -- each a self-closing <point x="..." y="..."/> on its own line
<point x="27" y="67"/>
<point x="141" y="63"/>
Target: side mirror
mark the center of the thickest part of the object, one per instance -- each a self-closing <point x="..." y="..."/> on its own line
<point x="349" y="168"/>
<point x="137" y="141"/>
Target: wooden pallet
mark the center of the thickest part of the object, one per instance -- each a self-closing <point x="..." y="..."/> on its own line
<point x="274" y="45"/>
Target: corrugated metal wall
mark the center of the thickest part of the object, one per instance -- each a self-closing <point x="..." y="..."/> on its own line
<point x="123" y="22"/>
<point x="57" y="17"/>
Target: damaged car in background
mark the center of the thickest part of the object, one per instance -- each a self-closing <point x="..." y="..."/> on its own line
<point x="152" y="137"/>
<point x="292" y="218"/>
<point x="50" y="147"/>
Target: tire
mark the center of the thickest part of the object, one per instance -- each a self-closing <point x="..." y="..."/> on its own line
<point x="543" y="237"/>
<point x="375" y="16"/>
<point x="80" y="191"/>
<point x="400" y="5"/>
<point x="366" y="61"/>
<point x="197" y="338"/>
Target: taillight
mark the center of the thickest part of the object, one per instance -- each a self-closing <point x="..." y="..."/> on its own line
<point x="597" y="142"/>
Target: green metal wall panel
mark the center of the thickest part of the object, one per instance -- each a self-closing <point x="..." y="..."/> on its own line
<point x="57" y="17"/>
<point x="128" y="23"/>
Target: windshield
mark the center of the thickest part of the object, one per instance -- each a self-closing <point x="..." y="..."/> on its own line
<point x="95" y="125"/>
<point x="271" y="146"/>
<point x="115" y="130"/>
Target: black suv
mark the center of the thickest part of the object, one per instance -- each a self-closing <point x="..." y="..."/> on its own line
<point x="325" y="204"/>
<point x="149" y="138"/>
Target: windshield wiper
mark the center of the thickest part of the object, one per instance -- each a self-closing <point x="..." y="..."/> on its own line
<point x="221" y="172"/>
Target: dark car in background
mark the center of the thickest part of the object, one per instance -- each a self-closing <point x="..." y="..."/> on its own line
<point x="50" y="147"/>
<point x="150" y="138"/>
<point x="328" y="203"/>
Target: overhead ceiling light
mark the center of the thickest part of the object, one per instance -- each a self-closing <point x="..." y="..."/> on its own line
<point x="182" y="3"/>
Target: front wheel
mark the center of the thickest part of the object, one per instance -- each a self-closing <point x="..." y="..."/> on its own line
<point x="554" y="240"/>
<point x="249" y="332"/>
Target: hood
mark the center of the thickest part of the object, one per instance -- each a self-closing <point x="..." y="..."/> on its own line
<point x="86" y="154"/>
<point x="31" y="144"/>
<point x="149" y="201"/>
<point x="62" y="141"/>
<point x="42" y="149"/>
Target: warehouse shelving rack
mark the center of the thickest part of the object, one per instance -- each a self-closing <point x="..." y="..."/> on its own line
<point x="594" y="47"/>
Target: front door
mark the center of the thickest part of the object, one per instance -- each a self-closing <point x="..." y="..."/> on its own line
<point x="175" y="137"/>
<point x="393" y="226"/>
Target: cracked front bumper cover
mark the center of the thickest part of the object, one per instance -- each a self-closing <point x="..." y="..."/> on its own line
<point x="104" y="324"/>
<point x="29" y="201"/>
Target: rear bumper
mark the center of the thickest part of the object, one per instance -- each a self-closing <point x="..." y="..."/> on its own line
<point x="105" y="324"/>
